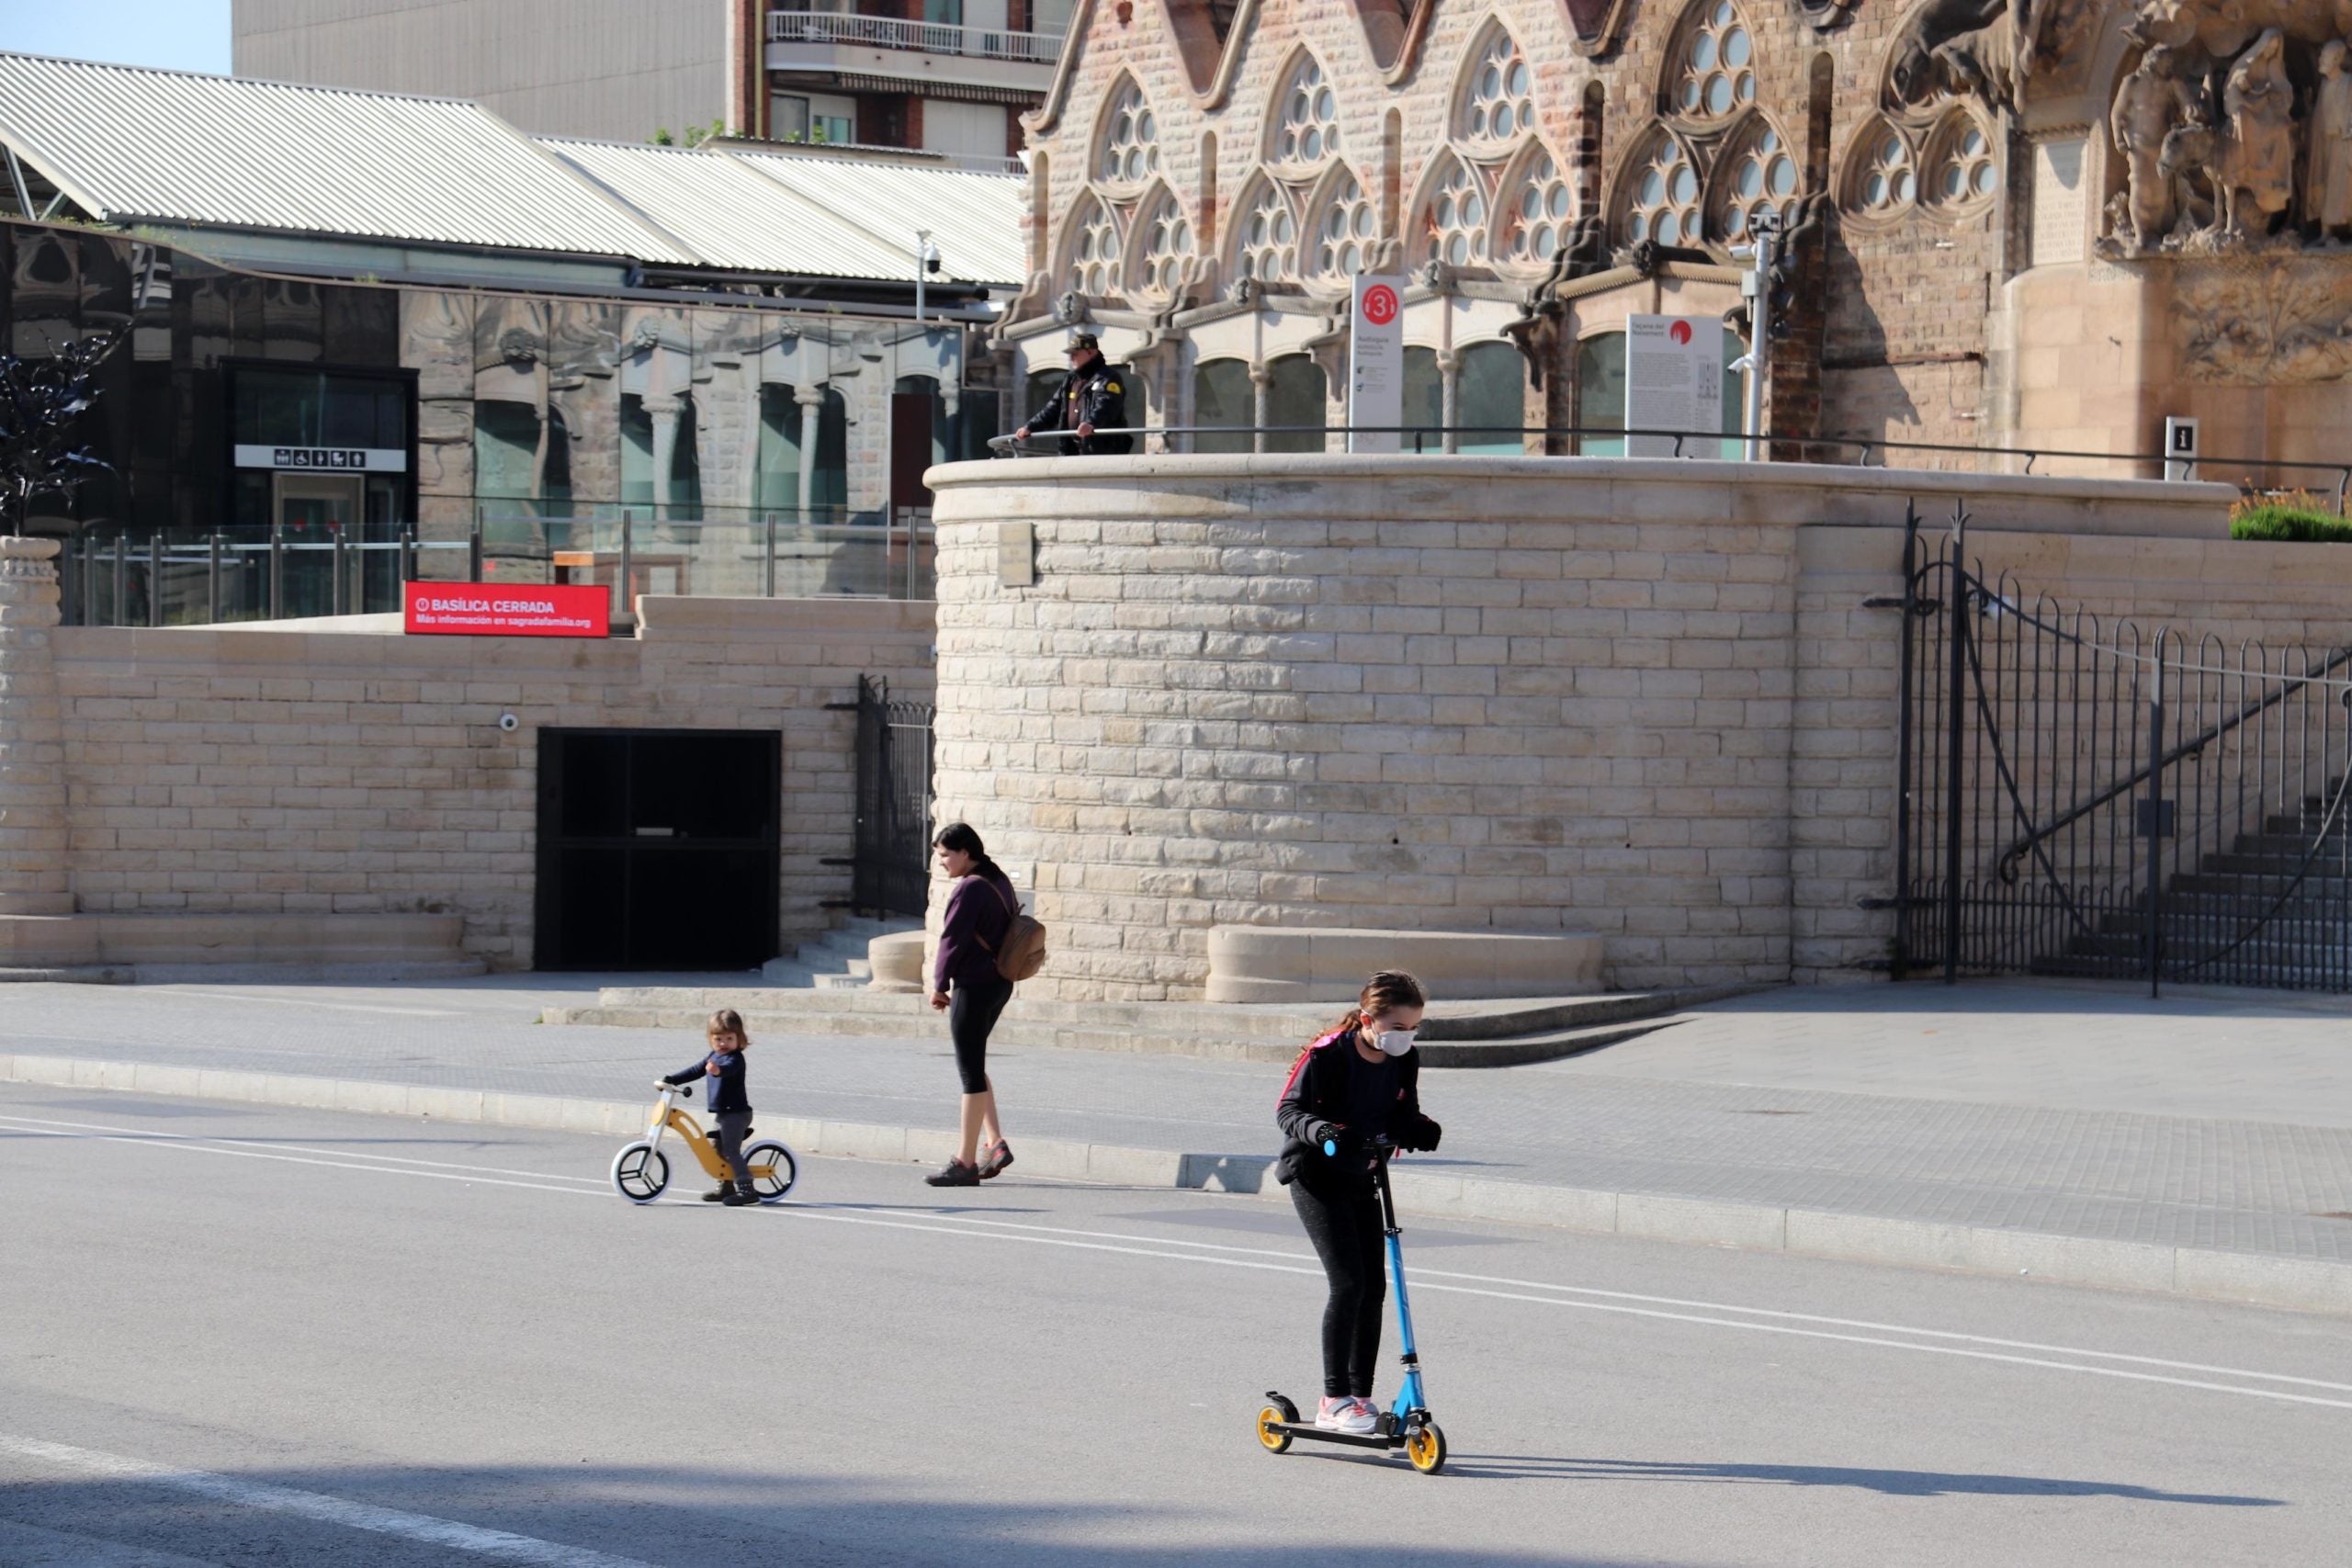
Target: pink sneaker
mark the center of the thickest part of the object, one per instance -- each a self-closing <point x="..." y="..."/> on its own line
<point x="1343" y="1414"/>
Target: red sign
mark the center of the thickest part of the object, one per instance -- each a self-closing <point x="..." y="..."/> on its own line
<point x="1380" y="304"/>
<point x="503" y="609"/>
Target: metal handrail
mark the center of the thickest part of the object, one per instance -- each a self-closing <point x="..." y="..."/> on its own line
<point x="1864" y="447"/>
<point x="928" y="37"/>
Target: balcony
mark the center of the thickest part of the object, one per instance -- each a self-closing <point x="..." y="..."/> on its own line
<point x="832" y="42"/>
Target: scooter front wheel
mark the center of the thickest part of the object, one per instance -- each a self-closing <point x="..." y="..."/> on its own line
<point x="783" y="1170"/>
<point x="1269" y="1432"/>
<point x="1426" y="1448"/>
<point x="641" y="1172"/>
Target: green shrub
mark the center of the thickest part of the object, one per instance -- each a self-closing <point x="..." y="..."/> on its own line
<point x="2289" y="525"/>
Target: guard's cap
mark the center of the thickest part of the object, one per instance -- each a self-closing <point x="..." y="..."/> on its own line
<point x="1085" y="340"/>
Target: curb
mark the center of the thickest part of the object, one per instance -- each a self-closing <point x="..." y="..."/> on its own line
<point x="2246" y="1279"/>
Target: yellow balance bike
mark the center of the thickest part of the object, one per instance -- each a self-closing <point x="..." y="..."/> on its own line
<point x="641" y="1171"/>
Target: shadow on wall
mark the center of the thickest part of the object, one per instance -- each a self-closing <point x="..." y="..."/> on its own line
<point x="668" y="1514"/>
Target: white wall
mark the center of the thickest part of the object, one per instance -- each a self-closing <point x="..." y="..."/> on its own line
<point x="970" y="129"/>
<point x="608" y="68"/>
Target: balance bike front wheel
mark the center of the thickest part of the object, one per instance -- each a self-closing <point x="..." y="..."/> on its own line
<point x="640" y="1172"/>
<point x="781" y="1169"/>
<point x="1426" y="1448"/>
<point x="1270" y="1433"/>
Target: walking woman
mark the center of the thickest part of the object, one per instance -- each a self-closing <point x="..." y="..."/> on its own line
<point x="1349" y="1090"/>
<point x="980" y="913"/>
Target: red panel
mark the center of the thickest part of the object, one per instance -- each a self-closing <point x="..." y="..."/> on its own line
<point x="493" y="609"/>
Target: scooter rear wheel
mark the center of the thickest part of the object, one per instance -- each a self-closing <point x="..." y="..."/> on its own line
<point x="1426" y="1448"/>
<point x="641" y="1172"/>
<point x="1269" y="1432"/>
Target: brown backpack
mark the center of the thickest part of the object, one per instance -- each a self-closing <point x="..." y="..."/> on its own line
<point x="1022" y="952"/>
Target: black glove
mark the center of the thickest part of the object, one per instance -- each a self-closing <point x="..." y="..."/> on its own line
<point x="1330" y="1132"/>
<point x="1424" y="1138"/>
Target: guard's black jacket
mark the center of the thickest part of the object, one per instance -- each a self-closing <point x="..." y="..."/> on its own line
<point x="1314" y="1107"/>
<point x="1096" y="396"/>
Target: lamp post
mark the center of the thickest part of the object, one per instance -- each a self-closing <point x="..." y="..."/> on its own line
<point x="1757" y="286"/>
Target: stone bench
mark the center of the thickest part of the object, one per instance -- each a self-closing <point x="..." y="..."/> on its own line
<point x="1301" y="964"/>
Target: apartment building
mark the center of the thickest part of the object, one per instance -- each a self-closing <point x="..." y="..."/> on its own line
<point x="946" y="76"/>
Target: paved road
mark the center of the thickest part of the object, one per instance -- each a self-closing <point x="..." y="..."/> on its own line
<point x="245" y="1335"/>
<point x="2220" y="1120"/>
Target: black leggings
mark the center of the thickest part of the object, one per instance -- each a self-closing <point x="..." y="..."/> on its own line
<point x="1343" y="1221"/>
<point x="972" y="1011"/>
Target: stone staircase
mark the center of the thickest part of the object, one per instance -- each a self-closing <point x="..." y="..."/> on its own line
<point x="835" y="961"/>
<point x="2306" y="945"/>
<point x="1462" y="1035"/>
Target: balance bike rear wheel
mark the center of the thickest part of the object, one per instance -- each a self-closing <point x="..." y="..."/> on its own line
<point x="640" y="1172"/>
<point x="1277" y="1409"/>
<point x="782" y="1173"/>
<point x="1426" y="1448"/>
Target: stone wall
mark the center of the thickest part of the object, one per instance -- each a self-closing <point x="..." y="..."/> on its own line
<point x="274" y="772"/>
<point x="1636" y="698"/>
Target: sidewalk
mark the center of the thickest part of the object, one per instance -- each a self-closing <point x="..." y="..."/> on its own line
<point x="2201" y="1144"/>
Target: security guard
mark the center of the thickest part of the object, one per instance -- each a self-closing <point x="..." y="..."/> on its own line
<point x="1093" y="394"/>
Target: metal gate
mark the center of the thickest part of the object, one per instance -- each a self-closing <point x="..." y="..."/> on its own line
<point x="2082" y="796"/>
<point x="890" y="870"/>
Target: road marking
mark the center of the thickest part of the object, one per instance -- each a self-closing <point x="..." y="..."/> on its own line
<point x="1424" y="1279"/>
<point x="427" y="1529"/>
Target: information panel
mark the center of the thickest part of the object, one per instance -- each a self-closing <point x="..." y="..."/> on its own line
<point x="490" y="609"/>
<point x="1674" y="381"/>
<point x="1376" y="363"/>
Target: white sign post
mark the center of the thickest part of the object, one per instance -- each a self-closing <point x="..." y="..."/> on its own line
<point x="1376" y="363"/>
<point x="1674" y="381"/>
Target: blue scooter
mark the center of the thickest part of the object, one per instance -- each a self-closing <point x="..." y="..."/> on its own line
<point x="1405" y="1424"/>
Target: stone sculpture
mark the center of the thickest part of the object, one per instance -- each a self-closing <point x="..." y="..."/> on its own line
<point x="2257" y="175"/>
<point x="2220" y="29"/>
<point x="2327" y="178"/>
<point x="1979" y="49"/>
<point x="2151" y="109"/>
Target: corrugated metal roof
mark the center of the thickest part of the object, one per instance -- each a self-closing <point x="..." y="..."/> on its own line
<point x="129" y="143"/>
<point x="973" y="219"/>
<point x="731" y="215"/>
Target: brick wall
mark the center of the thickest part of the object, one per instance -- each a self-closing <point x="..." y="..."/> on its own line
<point x="278" y="772"/>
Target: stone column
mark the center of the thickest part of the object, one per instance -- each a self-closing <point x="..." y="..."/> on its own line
<point x="812" y="399"/>
<point x="663" y="412"/>
<point x="32" y="735"/>
<point x="1449" y="384"/>
<point x="1261" y="401"/>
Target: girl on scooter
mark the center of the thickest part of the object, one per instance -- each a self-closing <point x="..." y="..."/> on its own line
<point x="1351" y="1088"/>
<point x="730" y="1105"/>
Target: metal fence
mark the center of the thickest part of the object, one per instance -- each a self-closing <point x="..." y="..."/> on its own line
<point x="890" y="865"/>
<point x="2087" y="796"/>
<point x="179" y="577"/>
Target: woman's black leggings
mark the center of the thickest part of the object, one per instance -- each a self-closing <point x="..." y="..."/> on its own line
<point x="1343" y="1221"/>
<point x="973" y="1008"/>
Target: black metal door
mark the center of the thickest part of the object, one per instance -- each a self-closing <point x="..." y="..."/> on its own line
<point x="657" y="849"/>
<point x="890" y="873"/>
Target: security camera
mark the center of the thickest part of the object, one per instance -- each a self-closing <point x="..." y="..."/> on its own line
<point x="509" y="723"/>
<point x="931" y="261"/>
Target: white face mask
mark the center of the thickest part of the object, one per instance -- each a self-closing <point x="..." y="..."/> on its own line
<point x="1394" y="1041"/>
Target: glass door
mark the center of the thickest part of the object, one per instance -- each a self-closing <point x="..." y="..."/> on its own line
<point x="312" y="508"/>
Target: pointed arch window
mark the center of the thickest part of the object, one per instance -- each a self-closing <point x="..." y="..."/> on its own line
<point x="1343" y="231"/>
<point x="1756" y="174"/>
<point x="1662" y="194"/>
<point x="1885" y="176"/>
<point x="1498" y="97"/>
<point x="1962" y="175"/>
<point x="1307" y="123"/>
<point x="1163" y="244"/>
<point x="1534" y="212"/>
<point x="1455" y="219"/>
<point x="1266" y="240"/>
<point x="1715" y="62"/>
<point x="1095" y="250"/>
<point x="1130" y="150"/>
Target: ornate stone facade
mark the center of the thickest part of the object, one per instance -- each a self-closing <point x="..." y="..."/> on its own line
<point x="2013" y="220"/>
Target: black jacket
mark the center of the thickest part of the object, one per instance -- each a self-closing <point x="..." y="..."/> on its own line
<point x="1096" y="396"/>
<point x="726" y="1090"/>
<point x="1314" y="1105"/>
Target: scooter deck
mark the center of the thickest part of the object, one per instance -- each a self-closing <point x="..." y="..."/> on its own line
<point x="1351" y="1439"/>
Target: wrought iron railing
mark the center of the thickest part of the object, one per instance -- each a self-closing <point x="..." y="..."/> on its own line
<point x="2081" y="796"/>
<point x="929" y="38"/>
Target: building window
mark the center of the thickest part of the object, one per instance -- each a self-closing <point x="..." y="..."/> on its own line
<point x="1167" y="245"/>
<point x="1296" y="395"/>
<point x="1499" y="100"/>
<point x="1094" y="251"/>
<point x="1344" y="234"/>
<point x="1718" y="64"/>
<point x="1535" y="215"/>
<point x="1455" y="219"/>
<point x="1268" y="242"/>
<point x="1130" y="151"/>
<point x="1491" y="403"/>
<point x="1308" y="128"/>
<point x="776" y="479"/>
<point x="646" y="480"/>
<point x="793" y="117"/>
<point x="1424" y="401"/>
<point x="1760" y="177"/>
<point x="1223" y="397"/>
<point x="1885" y="180"/>
<point x="1662" y="201"/>
<point x="1960" y="160"/>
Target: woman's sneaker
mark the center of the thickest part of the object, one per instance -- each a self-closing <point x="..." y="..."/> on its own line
<point x="999" y="1156"/>
<point x="1345" y="1414"/>
<point x="956" y="1174"/>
